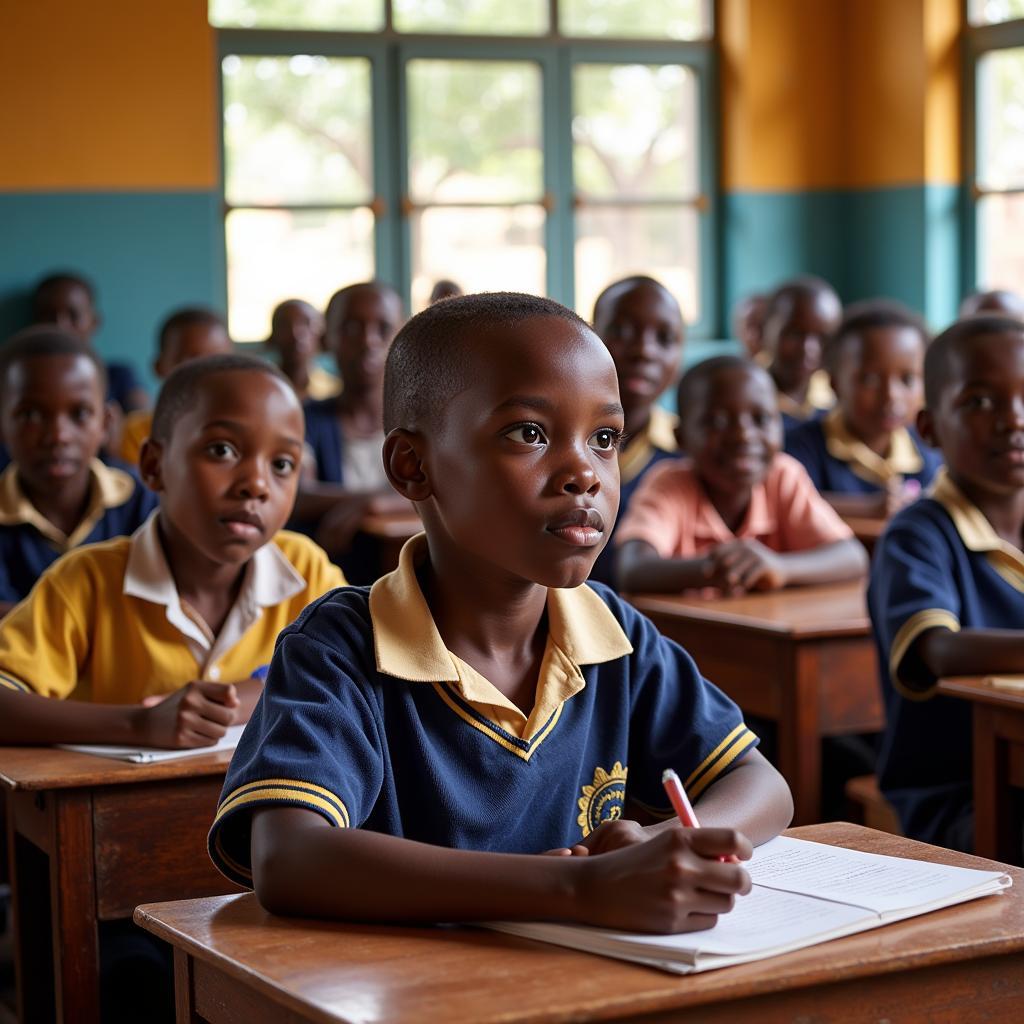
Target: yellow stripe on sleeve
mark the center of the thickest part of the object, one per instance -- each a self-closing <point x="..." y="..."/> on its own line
<point x="743" y="742"/>
<point x="10" y="683"/>
<point x="918" y="623"/>
<point x="286" y="791"/>
<point x="714" y="753"/>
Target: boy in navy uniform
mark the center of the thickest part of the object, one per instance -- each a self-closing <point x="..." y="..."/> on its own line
<point x="479" y="706"/>
<point x="947" y="584"/>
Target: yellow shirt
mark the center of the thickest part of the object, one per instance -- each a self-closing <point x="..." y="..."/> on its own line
<point x="135" y="430"/>
<point x="105" y="622"/>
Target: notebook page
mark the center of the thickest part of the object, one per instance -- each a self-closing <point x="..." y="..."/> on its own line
<point x="150" y="755"/>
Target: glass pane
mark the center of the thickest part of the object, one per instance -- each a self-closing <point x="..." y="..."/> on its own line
<point x="987" y="12"/>
<point x="523" y="17"/>
<point x="654" y="19"/>
<point x="616" y="241"/>
<point x="335" y="15"/>
<point x="482" y="249"/>
<point x="297" y="130"/>
<point x="1001" y="119"/>
<point x="1001" y="242"/>
<point x="474" y="131"/>
<point x="634" y="130"/>
<point x="281" y="254"/>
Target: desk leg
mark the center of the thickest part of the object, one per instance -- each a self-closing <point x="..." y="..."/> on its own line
<point x="993" y="825"/>
<point x="184" y="996"/>
<point x="800" y="733"/>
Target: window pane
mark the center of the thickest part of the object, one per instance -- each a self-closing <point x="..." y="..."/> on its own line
<point x="481" y="248"/>
<point x="523" y="17"/>
<point x="655" y="19"/>
<point x="1000" y="246"/>
<point x="635" y="130"/>
<point x="297" y="130"/>
<point x="986" y="12"/>
<point x="614" y="242"/>
<point x="335" y="15"/>
<point x="1001" y="119"/>
<point x="474" y="131"/>
<point x="281" y="254"/>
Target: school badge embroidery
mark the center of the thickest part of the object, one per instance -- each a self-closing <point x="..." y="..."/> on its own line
<point x="604" y="799"/>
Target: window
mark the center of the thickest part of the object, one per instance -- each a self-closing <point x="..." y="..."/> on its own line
<point x="465" y="139"/>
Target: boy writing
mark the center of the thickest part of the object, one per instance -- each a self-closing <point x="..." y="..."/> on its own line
<point x="188" y="608"/>
<point x="479" y="705"/>
<point x="737" y="515"/>
<point x="947" y="584"/>
<point x="865" y="456"/>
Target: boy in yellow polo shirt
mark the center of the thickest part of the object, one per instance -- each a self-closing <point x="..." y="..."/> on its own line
<point x="189" y="607"/>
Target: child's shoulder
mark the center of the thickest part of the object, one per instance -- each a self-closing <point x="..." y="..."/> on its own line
<point x="672" y="472"/>
<point x="100" y="565"/>
<point x="920" y="526"/>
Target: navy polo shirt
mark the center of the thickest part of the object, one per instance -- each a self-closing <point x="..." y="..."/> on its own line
<point x="939" y="565"/>
<point x="325" y="439"/>
<point x="368" y="720"/>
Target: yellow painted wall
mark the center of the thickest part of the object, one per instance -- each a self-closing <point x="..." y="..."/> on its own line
<point x="107" y="94"/>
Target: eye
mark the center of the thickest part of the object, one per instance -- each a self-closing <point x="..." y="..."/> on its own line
<point x="526" y="433"/>
<point x="221" y="450"/>
<point x="718" y="421"/>
<point x="82" y="413"/>
<point x="981" y="403"/>
<point x="283" y="466"/>
<point x="606" y="439"/>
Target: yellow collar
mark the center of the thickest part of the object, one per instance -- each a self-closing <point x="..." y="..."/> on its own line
<point x="819" y="397"/>
<point x="903" y="458"/>
<point x="108" y="488"/>
<point x="660" y="434"/>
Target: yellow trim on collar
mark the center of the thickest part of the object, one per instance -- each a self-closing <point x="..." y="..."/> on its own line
<point x="659" y="435"/>
<point x="903" y="458"/>
<point x="819" y="397"/>
<point x="109" y="488"/>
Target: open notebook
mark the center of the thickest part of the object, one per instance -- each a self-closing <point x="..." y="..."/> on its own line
<point x="150" y="755"/>
<point x="804" y="893"/>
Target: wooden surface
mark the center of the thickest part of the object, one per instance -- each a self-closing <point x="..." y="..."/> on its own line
<point x="998" y="730"/>
<point x="390" y="532"/>
<point x="801" y="657"/>
<point x="235" y="962"/>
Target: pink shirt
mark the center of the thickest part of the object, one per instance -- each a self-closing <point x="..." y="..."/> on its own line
<point x="671" y="511"/>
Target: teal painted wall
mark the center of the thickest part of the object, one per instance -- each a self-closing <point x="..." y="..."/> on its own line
<point x="146" y="252"/>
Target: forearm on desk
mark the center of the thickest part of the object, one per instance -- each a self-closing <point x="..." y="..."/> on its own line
<point x="831" y="563"/>
<point x="28" y="719"/>
<point x="640" y="569"/>
<point x="970" y="652"/>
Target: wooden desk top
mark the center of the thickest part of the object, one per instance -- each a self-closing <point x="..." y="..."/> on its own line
<point x="334" y="972"/>
<point x="50" y="768"/>
<point x="836" y="609"/>
<point x="983" y="690"/>
<point x="866" y="528"/>
<point x="394" y="526"/>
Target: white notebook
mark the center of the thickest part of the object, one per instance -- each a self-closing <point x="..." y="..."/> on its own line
<point x="804" y="893"/>
<point x="150" y="755"/>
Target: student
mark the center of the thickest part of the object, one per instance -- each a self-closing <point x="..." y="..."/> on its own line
<point x="444" y="289"/>
<point x="188" y="607"/>
<point x="68" y="301"/>
<point x="479" y="705"/>
<point x="865" y="456"/>
<point x="1000" y="302"/>
<point x="188" y="333"/>
<point x="801" y="314"/>
<point x="748" y="322"/>
<point x="296" y="337"/>
<point x="947" y="583"/>
<point x="641" y="324"/>
<point x="56" y="494"/>
<point x="737" y="514"/>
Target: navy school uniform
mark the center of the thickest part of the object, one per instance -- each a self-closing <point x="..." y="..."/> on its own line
<point x="940" y="565"/>
<point x="368" y="720"/>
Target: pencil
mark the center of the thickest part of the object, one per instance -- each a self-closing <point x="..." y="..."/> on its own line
<point x="681" y="803"/>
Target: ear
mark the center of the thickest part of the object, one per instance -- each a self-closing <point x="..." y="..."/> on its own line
<point x="158" y="367"/>
<point x="151" y="464"/>
<point x="404" y="452"/>
<point x="926" y="428"/>
<point x="677" y="432"/>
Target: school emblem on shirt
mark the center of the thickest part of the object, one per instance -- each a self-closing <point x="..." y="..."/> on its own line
<point x="604" y="799"/>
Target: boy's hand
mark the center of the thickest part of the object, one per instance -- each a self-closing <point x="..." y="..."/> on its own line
<point x="674" y="882"/>
<point x="608" y="836"/>
<point x="197" y="715"/>
<point x="743" y="565"/>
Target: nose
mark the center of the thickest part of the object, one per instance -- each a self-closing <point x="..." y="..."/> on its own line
<point x="643" y="344"/>
<point x="58" y="430"/>
<point x="577" y="475"/>
<point x="252" y="479"/>
<point x="812" y="345"/>
<point x="1015" y="414"/>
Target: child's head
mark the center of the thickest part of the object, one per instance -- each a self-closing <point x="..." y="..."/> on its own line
<point x="68" y="301"/>
<point x="801" y="314"/>
<point x="190" y="333"/>
<point x="748" y="322"/>
<point x="503" y="416"/>
<point x="224" y="454"/>
<point x="296" y="333"/>
<point x="361" y="323"/>
<point x="974" y="402"/>
<point x="642" y="325"/>
<point x="52" y="411"/>
<point x="729" y="423"/>
<point x="999" y="301"/>
<point x="444" y="289"/>
<point x="875" y="361"/>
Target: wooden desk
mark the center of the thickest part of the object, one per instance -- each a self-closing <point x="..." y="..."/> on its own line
<point x="998" y="763"/>
<point x="390" y="532"/>
<point x="867" y="529"/>
<point x="89" y="839"/>
<point x="801" y="657"/>
<point x="234" y="962"/>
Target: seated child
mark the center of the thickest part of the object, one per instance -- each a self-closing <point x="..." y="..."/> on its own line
<point x="296" y="336"/>
<point x="1001" y="302"/>
<point x="947" y="582"/>
<point x="188" y="333"/>
<point x="482" y="705"/>
<point x="801" y="314"/>
<point x="444" y="289"/>
<point x="642" y="325"/>
<point x="737" y="514"/>
<point x="188" y="607"/>
<point x="748" y="322"/>
<point x="56" y="494"/>
<point x="865" y="456"/>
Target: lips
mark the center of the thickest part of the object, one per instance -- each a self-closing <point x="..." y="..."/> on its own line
<point x="244" y="524"/>
<point x="582" y="527"/>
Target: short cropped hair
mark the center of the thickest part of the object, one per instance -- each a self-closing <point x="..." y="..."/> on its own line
<point x="182" y="387"/>
<point x="807" y="286"/>
<point x="870" y="315"/>
<point x="938" y="360"/>
<point x="617" y="289"/>
<point x="45" y="340"/>
<point x="59" y="278"/>
<point x="700" y="374"/>
<point x="997" y="302"/>
<point x="428" y="365"/>
<point x="187" y="316"/>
